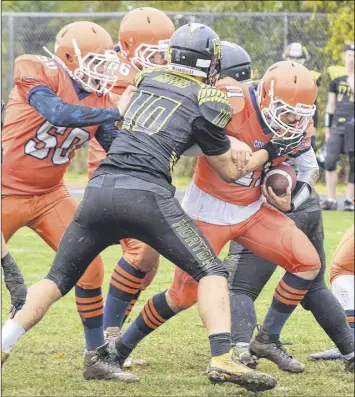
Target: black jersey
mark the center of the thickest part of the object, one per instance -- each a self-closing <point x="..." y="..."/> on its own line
<point x="169" y="113"/>
<point x="344" y="111"/>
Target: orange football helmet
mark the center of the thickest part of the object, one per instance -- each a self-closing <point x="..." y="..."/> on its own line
<point x="287" y="92"/>
<point x="84" y="50"/>
<point x="144" y="34"/>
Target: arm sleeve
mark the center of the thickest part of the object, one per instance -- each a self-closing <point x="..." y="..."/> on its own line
<point x="106" y="134"/>
<point x="308" y="170"/>
<point x="211" y="139"/>
<point x="62" y="114"/>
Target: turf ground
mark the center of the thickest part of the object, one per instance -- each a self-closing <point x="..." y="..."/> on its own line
<point x="48" y="360"/>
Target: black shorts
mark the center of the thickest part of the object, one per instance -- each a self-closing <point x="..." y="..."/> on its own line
<point x="335" y="147"/>
<point x="117" y="206"/>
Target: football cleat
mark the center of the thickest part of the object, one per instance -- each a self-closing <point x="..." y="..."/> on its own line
<point x="245" y="357"/>
<point x="329" y="205"/>
<point x="263" y="347"/>
<point x="349" y="365"/>
<point x="227" y="368"/>
<point x="111" y="335"/>
<point x="4" y="357"/>
<point x="101" y="364"/>
<point x="331" y="354"/>
<point x="348" y="205"/>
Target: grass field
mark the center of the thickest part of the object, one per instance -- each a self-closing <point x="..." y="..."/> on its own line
<point x="48" y="361"/>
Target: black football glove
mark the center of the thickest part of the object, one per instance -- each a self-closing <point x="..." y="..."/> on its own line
<point x="279" y="147"/>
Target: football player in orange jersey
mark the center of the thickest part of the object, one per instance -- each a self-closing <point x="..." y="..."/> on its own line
<point x="55" y="107"/>
<point x="143" y="41"/>
<point x="280" y="110"/>
<point x="342" y="280"/>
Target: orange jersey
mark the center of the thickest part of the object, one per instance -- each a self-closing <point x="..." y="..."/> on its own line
<point x="36" y="153"/>
<point x="247" y="126"/>
<point x="125" y="75"/>
<point x="343" y="260"/>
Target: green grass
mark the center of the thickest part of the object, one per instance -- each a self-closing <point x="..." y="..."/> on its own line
<point x="48" y="360"/>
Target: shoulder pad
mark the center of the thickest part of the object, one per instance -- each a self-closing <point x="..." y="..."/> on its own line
<point x="336" y="71"/>
<point x="234" y="91"/>
<point x="36" y="70"/>
<point x="140" y="75"/>
<point x="214" y="106"/>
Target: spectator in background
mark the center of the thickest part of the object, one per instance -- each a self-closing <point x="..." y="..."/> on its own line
<point x="296" y="52"/>
<point x="339" y="130"/>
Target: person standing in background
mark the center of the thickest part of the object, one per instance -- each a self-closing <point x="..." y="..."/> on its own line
<point x="338" y="121"/>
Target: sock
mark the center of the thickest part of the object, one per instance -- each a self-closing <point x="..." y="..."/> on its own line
<point x="330" y="315"/>
<point x="154" y="314"/>
<point x="125" y="283"/>
<point x="243" y="317"/>
<point x="90" y="306"/>
<point x="288" y="294"/>
<point x="11" y="332"/>
<point x="350" y="319"/>
<point x="220" y="343"/>
<point x="131" y="306"/>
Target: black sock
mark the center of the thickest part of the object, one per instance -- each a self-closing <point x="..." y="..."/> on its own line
<point x="243" y="317"/>
<point x="220" y="343"/>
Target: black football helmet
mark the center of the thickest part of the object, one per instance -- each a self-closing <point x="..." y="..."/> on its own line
<point x="235" y="63"/>
<point x="195" y="50"/>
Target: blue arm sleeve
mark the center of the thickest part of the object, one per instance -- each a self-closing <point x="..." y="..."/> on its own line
<point x="62" y="114"/>
<point x="106" y="134"/>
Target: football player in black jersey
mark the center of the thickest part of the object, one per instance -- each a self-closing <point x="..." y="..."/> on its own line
<point x="339" y="123"/>
<point x="130" y="195"/>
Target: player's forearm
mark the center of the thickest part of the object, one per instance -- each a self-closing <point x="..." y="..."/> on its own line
<point x="256" y="161"/>
<point x="62" y="114"/>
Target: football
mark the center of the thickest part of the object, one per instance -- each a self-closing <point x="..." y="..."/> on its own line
<point x="280" y="178"/>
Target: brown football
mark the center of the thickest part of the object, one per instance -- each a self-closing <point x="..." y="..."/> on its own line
<point x="280" y="178"/>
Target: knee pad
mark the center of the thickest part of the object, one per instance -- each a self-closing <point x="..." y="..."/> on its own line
<point x="94" y="275"/>
<point x="139" y="255"/>
<point x="149" y="277"/>
<point x="183" y="290"/>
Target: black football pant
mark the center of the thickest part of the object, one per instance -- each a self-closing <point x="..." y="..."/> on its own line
<point x="117" y="206"/>
<point x="249" y="274"/>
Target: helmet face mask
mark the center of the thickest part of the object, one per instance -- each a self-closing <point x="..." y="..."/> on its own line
<point x="149" y="55"/>
<point x="83" y="49"/>
<point x="96" y="72"/>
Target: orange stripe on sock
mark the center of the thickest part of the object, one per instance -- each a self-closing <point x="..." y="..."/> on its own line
<point x="146" y="320"/>
<point x="87" y="308"/>
<point x="285" y="295"/>
<point x="153" y="310"/>
<point x="126" y="282"/>
<point x="91" y="299"/>
<point x="292" y="290"/>
<point x="127" y="275"/>
<point x="151" y="317"/>
<point x="285" y="301"/>
<point x="123" y="288"/>
<point x="350" y="319"/>
<point x="92" y="314"/>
